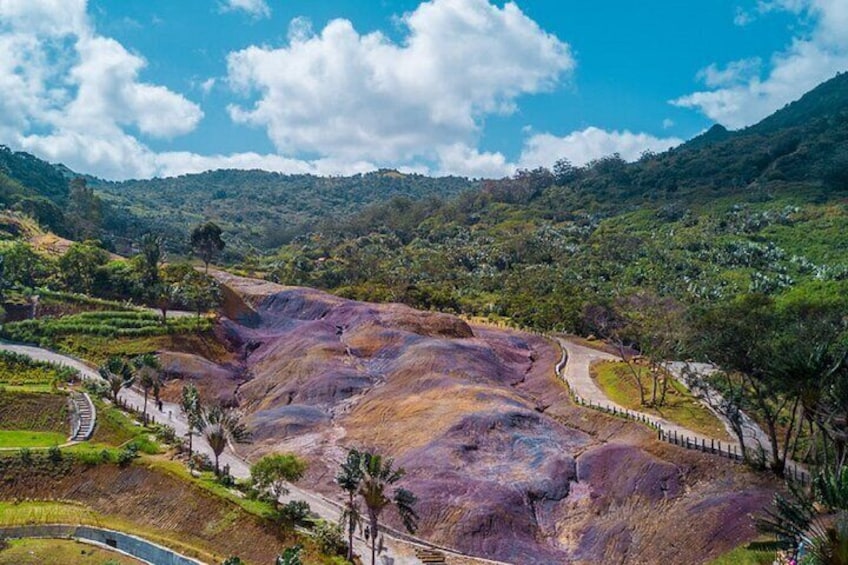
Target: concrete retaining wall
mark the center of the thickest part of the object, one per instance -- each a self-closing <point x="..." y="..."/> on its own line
<point x="131" y="545"/>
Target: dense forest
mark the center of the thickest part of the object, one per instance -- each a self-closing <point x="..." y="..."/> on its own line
<point x="258" y="210"/>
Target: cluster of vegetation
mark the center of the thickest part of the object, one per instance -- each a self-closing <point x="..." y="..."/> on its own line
<point x="20" y="372"/>
<point x="103" y="323"/>
<point x="760" y="210"/>
<point x="259" y="210"/>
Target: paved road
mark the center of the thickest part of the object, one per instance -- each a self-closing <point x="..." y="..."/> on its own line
<point x="401" y="551"/>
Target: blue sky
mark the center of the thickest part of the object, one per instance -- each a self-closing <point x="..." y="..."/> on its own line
<point x="126" y="89"/>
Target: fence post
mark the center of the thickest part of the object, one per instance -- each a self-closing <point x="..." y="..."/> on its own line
<point x="712" y="445"/>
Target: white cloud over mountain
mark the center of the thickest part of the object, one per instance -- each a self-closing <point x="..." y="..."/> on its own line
<point x="580" y="147"/>
<point x="357" y="96"/>
<point x="70" y="94"/>
<point x="333" y="102"/>
<point x="740" y="95"/>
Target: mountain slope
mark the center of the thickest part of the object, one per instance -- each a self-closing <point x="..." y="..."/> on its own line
<point x="258" y="209"/>
<point x="761" y="209"/>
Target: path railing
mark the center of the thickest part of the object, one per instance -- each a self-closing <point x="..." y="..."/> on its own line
<point x="728" y="450"/>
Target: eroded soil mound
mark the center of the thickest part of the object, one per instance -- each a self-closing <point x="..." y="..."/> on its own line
<point x="502" y="462"/>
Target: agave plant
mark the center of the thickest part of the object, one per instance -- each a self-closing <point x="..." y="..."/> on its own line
<point x="814" y="522"/>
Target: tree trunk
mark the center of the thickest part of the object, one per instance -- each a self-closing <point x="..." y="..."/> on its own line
<point x="217" y="470"/>
<point x="654" y="378"/>
<point x="788" y="437"/>
<point x="776" y="463"/>
<point x="144" y="411"/>
<point x="351" y="526"/>
<point x="665" y="377"/>
<point x="190" y="435"/>
<point x="374" y="526"/>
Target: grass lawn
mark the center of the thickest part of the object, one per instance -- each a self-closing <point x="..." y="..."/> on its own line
<point x="40" y="388"/>
<point x="615" y="380"/>
<point x="26" y="438"/>
<point x="208" y="482"/>
<point x="754" y="553"/>
<point x="40" y="551"/>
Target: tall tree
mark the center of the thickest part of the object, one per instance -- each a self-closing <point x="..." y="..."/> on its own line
<point x="149" y="257"/>
<point x="78" y="266"/>
<point x="272" y="472"/>
<point x="190" y="405"/>
<point x="118" y="375"/>
<point x="220" y="426"/>
<point x="147" y="370"/>
<point x="379" y="476"/>
<point x="206" y="242"/>
<point x="200" y="291"/>
<point x="85" y="210"/>
<point x="777" y="362"/>
<point x="349" y="478"/>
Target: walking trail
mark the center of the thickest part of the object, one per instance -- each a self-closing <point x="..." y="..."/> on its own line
<point x="578" y="376"/>
<point x="401" y="551"/>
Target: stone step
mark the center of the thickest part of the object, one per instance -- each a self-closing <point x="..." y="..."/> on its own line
<point x="430" y="556"/>
<point x="86" y="416"/>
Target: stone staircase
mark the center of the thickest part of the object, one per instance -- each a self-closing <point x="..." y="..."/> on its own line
<point x="84" y="417"/>
<point x="430" y="556"/>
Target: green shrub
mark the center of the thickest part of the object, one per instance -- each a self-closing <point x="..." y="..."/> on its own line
<point x="294" y="512"/>
<point x="127" y="454"/>
<point x="330" y="538"/>
<point x="54" y="454"/>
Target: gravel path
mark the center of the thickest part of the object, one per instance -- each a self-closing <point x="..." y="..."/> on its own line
<point x="578" y="376"/>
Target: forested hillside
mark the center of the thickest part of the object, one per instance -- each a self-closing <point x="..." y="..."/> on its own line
<point x="259" y="210"/>
<point x="758" y="210"/>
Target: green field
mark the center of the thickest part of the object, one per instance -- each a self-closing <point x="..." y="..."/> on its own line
<point x="26" y="438"/>
<point x="754" y="553"/>
<point x="40" y="551"/>
<point x="615" y="380"/>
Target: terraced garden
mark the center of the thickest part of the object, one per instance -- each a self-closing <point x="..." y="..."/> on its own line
<point x="96" y="335"/>
<point x="34" y="412"/>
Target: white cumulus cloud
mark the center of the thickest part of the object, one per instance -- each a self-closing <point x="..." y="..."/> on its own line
<point x="365" y="97"/>
<point x="739" y="94"/>
<point x="580" y="147"/>
<point x="70" y="94"/>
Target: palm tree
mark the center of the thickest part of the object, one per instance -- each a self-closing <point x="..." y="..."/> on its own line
<point x="147" y="369"/>
<point x="118" y="374"/>
<point x="190" y="405"/>
<point x="378" y="475"/>
<point x="349" y="479"/>
<point x="220" y="426"/>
